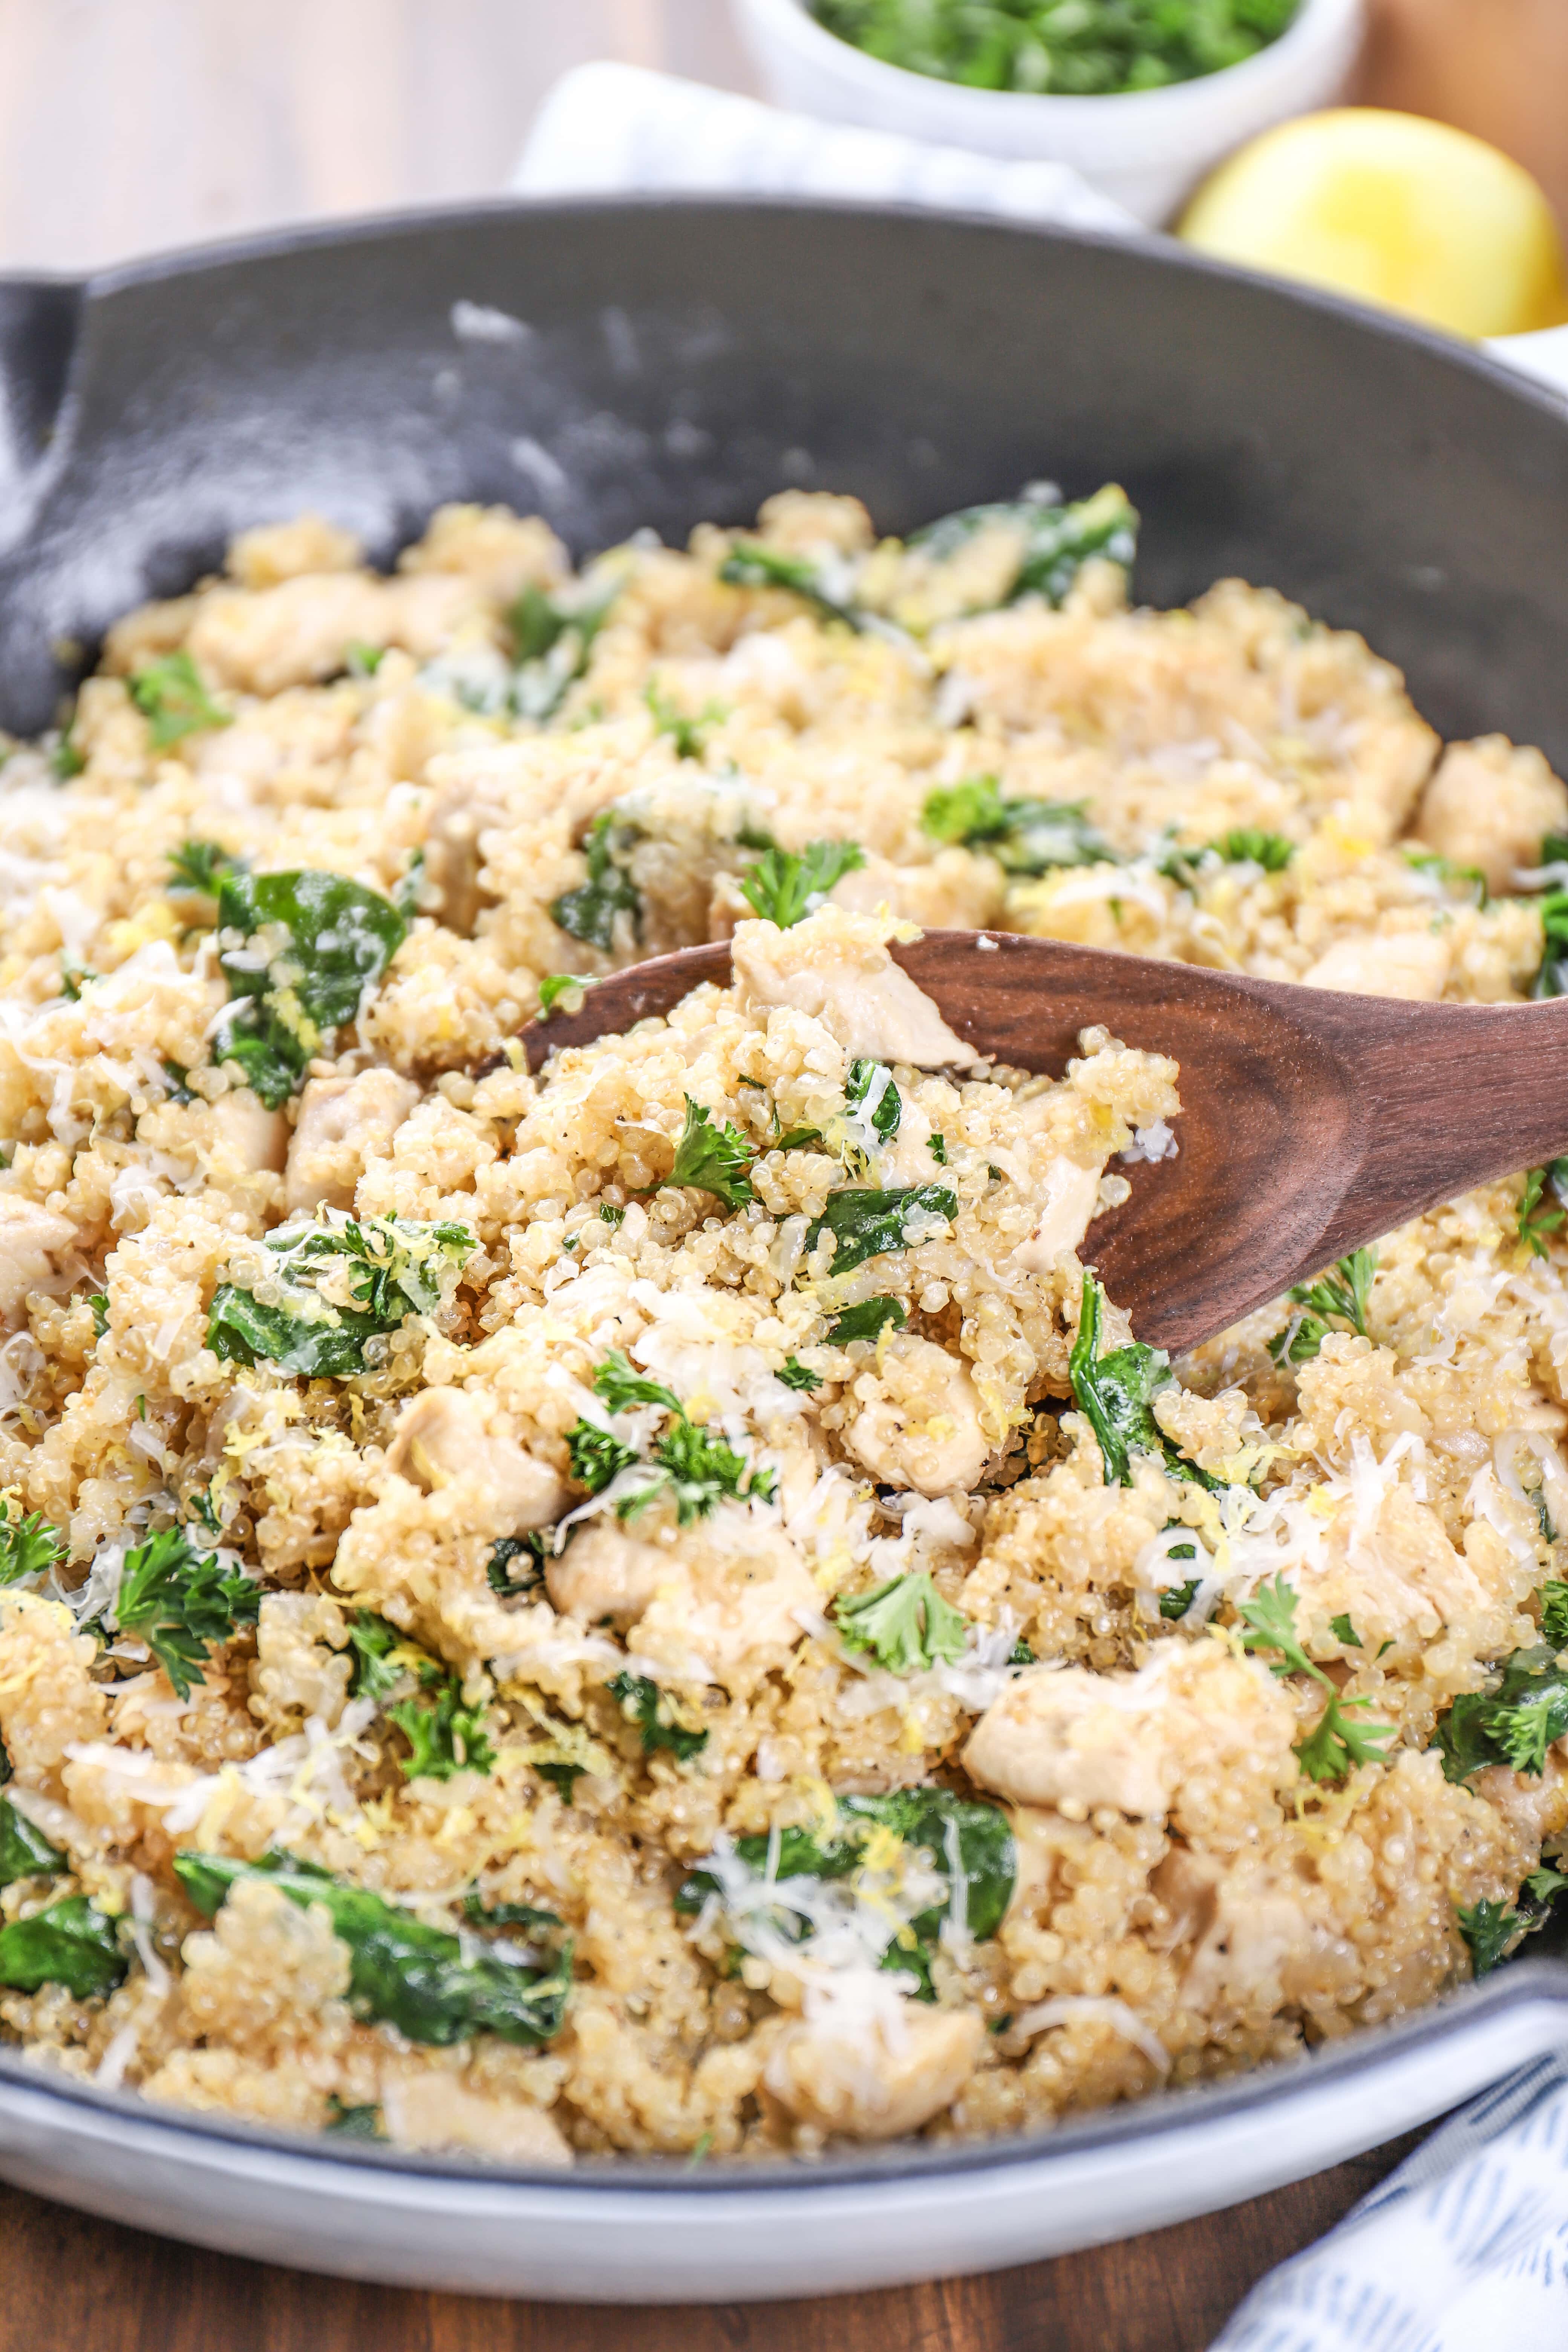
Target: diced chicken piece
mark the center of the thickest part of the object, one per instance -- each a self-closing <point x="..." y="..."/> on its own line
<point x="302" y="1667"/>
<point x="924" y="1429"/>
<point x="246" y="1132"/>
<point x="468" y="804"/>
<point x="605" y="1573"/>
<point x="1255" y="1945"/>
<point x="1071" y="1737"/>
<point x="836" y="968"/>
<point x="434" y="2110"/>
<point x="1535" y="1804"/>
<point x="1412" y="965"/>
<point x="344" y="1122"/>
<point x="878" y="2079"/>
<point x="442" y="1441"/>
<point x="32" y="1240"/>
<point x="261" y="641"/>
<point x="283" y="550"/>
<point x="1072" y="1197"/>
<point x="802" y="521"/>
<point x="726" y="1598"/>
<point x="503" y="554"/>
<point x="1490" y="805"/>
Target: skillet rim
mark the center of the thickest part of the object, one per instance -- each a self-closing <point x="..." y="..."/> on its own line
<point x="1158" y="2113"/>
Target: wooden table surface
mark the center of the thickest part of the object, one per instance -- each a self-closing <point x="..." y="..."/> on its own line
<point x="130" y="125"/>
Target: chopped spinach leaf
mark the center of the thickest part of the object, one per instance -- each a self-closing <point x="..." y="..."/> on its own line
<point x="402" y="1972"/>
<point x="797" y="1375"/>
<point x="183" y="1603"/>
<point x="1177" y="1598"/>
<point x="905" y="1623"/>
<point x="589" y="913"/>
<point x="618" y="1384"/>
<point x="1115" y="1393"/>
<point x="553" y="638"/>
<point x="937" y="1146"/>
<point x="562" y="1777"/>
<point x="382" y="1656"/>
<point x="865" y="1223"/>
<point x="172" y="698"/>
<point x="1024" y="836"/>
<point x="344" y="1285"/>
<point x="66" y="760"/>
<point x="960" y="1838"/>
<point x="99" y="1302"/>
<point x="867" y="1321"/>
<point x="751" y="564"/>
<point x="71" y="1943"/>
<point x="1056" y="539"/>
<point x="785" y="886"/>
<point x="1344" y="1630"/>
<point x="28" y="1547"/>
<point x="712" y="1156"/>
<point x="362" y="660"/>
<point x="1552" y="979"/>
<point x="24" y="1852"/>
<point x="644" y="1704"/>
<point x="300" y="952"/>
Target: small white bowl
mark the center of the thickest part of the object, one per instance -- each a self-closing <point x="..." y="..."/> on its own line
<point x="1146" y="148"/>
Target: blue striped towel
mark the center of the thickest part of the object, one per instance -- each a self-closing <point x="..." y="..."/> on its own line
<point x="1463" y="2249"/>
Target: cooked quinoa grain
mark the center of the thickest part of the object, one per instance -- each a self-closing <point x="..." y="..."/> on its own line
<point x="658" y="1606"/>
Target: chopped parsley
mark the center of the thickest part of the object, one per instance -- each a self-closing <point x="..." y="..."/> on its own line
<point x="300" y="952"/>
<point x="591" y="911"/>
<point x="171" y="697"/>
<point x="362" y="660"/>
<point x="516" y="1563"/>
<point x="1244" y="844"/>
<point x="1056" y="539"/>
<point x="353" y="2123"/>
<point x="905" y="1624"/>
<point x="689" y="1465"/>
<point x="643" y="1703"/>
<point x="66" y="760"/>
<point x="342" y="1285"/>
<point x="873" y="1111"/>
<point x="444" y="1736"/>
<point x="1492" y="1930"/>
<point x="73" y="1943"/>
<point x="1513" y="1724"/>
<point x="1343" y="1293"/>
<point x="797" y="1375"/>
<point x="1024" y="836"/>
<point x="1115" y="1392"/>
<point x="28" y="1547"/>
<point x="1177" y="1598"/>
<point x="865" y="1223"/>
<point x="712" y="1156"/>
<point x="183" y="1603"/>
<point x="1337" y="1743"/>
<point x="867" y="1321"/>
<point x="1541" y="1205"/>
<point x="688" y="735"/>
<point x="1555" y="1614"/>
<point x="198" y="865"/>
<point x="937" y="1146"/>
<point x="435" y="1988"/>
<point x="1344" y="1630"/>
<point x="785" y="886"/>
<point x="1552" y="979"/>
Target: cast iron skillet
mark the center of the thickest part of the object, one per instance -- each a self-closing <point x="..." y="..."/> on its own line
<point x="619" y="367"/>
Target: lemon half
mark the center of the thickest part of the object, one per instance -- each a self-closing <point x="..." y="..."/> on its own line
<point x="1410" y="214"/>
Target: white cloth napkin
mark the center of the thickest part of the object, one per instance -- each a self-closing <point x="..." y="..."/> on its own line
<point x="1463" y="2249"/>
<point x="608" y="128"/>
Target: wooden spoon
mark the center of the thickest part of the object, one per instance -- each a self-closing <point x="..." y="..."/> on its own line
<point x="1311" y="1121"/>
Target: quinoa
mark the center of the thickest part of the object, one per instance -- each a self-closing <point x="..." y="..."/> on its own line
<point x="644" y="1541"/>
